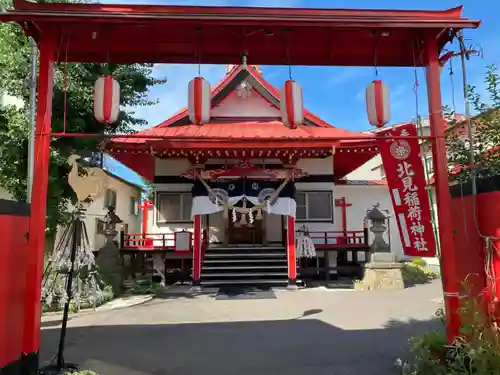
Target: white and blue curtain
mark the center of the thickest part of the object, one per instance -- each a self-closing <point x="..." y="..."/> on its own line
<point x="233" y="192"/>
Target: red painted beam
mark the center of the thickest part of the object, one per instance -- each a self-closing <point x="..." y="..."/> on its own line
<point x="167" y="34"/>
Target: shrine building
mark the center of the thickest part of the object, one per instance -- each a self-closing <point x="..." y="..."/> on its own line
<point x="233" y="195"/>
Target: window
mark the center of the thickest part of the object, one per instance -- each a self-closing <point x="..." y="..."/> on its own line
<point x="100" y="226"/>
<point x="314" y="205"/>
<point x="134" y="209"/>
<point x="430" y="165"/>
<point x="110" y="198"/>
<point x="174" y="207"/>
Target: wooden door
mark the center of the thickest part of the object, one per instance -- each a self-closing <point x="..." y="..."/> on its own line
<point x="245" y="234"/>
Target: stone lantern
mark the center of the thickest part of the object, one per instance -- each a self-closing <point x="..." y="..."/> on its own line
<point x="383" y="271"/>
<point x="378" y="228"/>
<point x="108" y="259"/>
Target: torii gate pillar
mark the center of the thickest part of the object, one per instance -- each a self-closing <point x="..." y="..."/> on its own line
<point x="446" y="237"/>
<point x="36" y="241"/>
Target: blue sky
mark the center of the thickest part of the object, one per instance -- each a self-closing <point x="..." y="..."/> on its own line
<point x="336" y="94"/>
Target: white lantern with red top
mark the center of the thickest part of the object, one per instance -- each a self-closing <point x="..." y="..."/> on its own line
<point x="199" y="101"/>
<point x="106" y="100"/>
<point x="377" y="103"/>
<point x="291" y="104"/>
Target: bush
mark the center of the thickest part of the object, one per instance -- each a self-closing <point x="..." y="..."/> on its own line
<point x="419" y="262"/>
<point x="84" y="372"/>
<point x="147" y="287"/>
<point x="475" y="352"/>
<point x="414" y="274"/>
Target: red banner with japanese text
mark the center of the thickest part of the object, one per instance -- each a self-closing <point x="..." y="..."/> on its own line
<point x="405" y="176"/>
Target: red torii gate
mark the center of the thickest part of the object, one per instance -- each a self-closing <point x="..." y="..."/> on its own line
<point x="220" y="35"/>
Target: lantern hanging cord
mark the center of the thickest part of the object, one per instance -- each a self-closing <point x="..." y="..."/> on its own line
<point x="375" y="52"/>
<point x="288" y="59"/>
<point x="65" y="89"/>
<point x="416" y="84"/>
<point x="198" y="49"/>
<point x="452" y="85"/>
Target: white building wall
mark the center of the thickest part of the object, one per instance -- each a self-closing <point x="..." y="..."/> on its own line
<point x="369" y="171"/>
<point x="96" y="210"/>
<point x="317" y="166"/>
<point x="169" y="167"/>
<point x="253" y="106"/>
<point x="4" y="194"/>
<point x="363" y="198"/>
<point x="6" y="100"/>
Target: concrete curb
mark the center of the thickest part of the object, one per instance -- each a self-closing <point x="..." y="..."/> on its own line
<point x="115" y="304"/>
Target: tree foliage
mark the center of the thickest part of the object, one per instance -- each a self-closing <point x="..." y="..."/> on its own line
<point x="72" y="111"/>
<point x="149" y="188"/>
<point x="486" y="133"/>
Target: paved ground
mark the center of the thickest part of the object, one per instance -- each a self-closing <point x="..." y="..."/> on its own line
<point x="301" y="332"/>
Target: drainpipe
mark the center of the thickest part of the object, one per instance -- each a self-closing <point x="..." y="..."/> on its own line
<point x="32" y="117"/>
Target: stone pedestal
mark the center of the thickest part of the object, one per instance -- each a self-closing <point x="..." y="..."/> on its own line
<point x="382" y="273"/>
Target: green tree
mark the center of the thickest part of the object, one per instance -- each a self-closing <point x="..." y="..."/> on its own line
<point x="486" y="125"/>
<point x="73" y="108"/>
<point x="149" y="188"/>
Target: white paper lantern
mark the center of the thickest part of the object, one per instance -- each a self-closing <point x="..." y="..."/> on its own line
<point x="291" y="104"/>
<point x="199" y="101"/>
<point x="106" y="100"/>
<point x="378" y="106"/>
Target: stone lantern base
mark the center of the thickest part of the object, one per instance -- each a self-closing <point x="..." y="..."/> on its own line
<point x="383" y="272"/>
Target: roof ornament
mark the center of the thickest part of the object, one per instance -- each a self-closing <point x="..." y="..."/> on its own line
<point x="244" y="90"/>
<point x="244" y="61"/>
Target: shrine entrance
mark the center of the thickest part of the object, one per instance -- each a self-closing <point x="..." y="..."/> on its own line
<point x="250" y="234"/>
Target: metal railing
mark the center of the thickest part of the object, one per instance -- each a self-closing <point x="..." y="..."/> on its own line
<point x="155" y="241"/>
<point x="146" y="241"/>
<point x="338" y="238"/>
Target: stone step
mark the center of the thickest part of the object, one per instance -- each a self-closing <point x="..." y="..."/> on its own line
<point x="244" y="274"/>
<point x="239" y="268"/>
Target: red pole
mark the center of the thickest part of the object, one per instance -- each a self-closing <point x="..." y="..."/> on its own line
<point x="290" y="251"/>
<point x="32" y="312"/>
<point x="342" y="203"/>
<point x="197" y="251"/>
<point x="146" y="205"/>
<point x="446" y="238"/>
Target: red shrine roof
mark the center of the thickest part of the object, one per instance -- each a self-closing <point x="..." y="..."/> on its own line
<point x="185" y="34"/>
<point x="258" y="129"/>
<point x="247" y="137"/>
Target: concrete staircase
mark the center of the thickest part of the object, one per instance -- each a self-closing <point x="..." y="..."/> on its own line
<point x="249" y="265"/>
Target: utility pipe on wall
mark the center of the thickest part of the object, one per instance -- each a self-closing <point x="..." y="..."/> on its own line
<point x="32" y="118"/>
